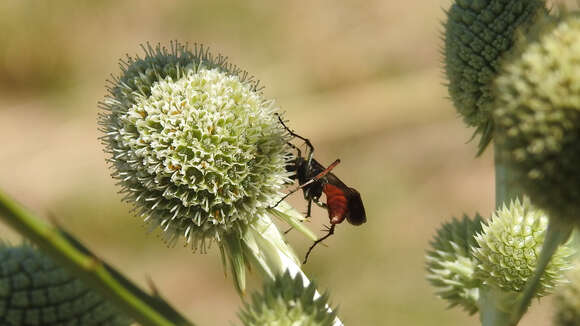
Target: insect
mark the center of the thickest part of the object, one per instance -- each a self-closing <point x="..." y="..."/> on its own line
<point x="342" y="201"/>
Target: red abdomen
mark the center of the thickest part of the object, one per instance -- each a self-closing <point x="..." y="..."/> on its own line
<point x="336" y="202"/>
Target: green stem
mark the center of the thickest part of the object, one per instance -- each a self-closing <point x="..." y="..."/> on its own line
<point x="72" y="255"/>
<point x="266" y="248"/>
<point x="495" y="306"/>
<point x="556" y="234"/>
<point x="505" y="191"/>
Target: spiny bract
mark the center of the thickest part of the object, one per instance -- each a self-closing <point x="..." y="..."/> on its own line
<point x="538" y="116"/>
<point x="509" y="247"/>
<point x="477" y="34"/>
<point x="194" y="146"/>
<point x="567" y="301"/>
<point x="36" y="291"/>
<point x="285" y="301"/>
<point x="450" y="264"/>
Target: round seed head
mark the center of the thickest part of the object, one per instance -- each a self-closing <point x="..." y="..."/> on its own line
<point x="538" y="116"/>
<point x="285" y="301"/>
<point x="477" y="34"/>
<point x="450" y="264"/>
<point x="36" y="291"/>
<point x="196" y="148"/>
<point x="509" y="247"/>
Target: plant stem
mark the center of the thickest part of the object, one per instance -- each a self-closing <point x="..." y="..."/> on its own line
<point x="71" y="254"/>
<point x="495" y="306"/>
<point x="556" y="234"/>
<point x="269" y="251"/>
<point x="505" y="190"/>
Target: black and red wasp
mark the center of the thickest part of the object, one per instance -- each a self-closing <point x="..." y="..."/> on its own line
<point x="342" y="201"/>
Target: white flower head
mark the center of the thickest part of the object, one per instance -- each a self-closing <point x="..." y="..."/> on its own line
<point x="196" y="148"/>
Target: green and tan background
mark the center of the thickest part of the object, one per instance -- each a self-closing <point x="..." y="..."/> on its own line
<point x="362" y="79"/>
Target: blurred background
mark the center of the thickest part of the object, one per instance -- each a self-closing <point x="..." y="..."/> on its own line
<point x="362" y="79"/>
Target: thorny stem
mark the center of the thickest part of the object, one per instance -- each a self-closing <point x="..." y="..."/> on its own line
<point x="71" y="254"/>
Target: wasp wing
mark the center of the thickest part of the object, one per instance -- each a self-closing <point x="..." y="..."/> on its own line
<point x="356" y="210"/>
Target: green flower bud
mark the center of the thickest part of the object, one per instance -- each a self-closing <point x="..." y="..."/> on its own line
<point x="36" y="291"/>
<point x="477" y="34"/>
<point x="286" y="301"/>
<point x="450" y="264"/>
<point x="538" y="116"/>
<point x="567" y="301"/>
<point x="196" y="148"/>
<point x="509" y="247"/>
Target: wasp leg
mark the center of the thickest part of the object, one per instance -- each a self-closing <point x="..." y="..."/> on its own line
<point x="309" y="210"/>
<point x="316" y="178"/>
<point x="330" y="232"/>
<point x="327" y="228"/>
<point x="284" y="197"/>
<point x="321" y="204"/>
<point x="293" y="134"/>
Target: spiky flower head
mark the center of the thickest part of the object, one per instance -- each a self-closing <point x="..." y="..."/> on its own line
<point x="36" y="291"/>
<point x="567" y="301"/>
<point x="450" y="264"/>
<point x="194" y="145"/>
<point x="477" y="34"/>
<point x="509" y="246"/>
<point x="286" y="301"/>
<point x="538" y="116"/>
<point x="199" y="153"/>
